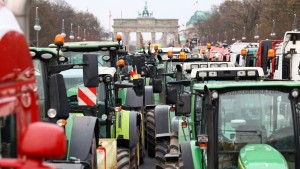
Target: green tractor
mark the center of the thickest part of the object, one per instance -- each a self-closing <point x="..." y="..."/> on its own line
<point x="240" y="121"/>
<point x="119" y="129"/>
<point x="145" y="69"/>
<point x="168" y="135"/>
<point x="81" y="131"/>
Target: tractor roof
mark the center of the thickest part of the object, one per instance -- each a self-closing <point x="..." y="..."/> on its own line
<point x="246" y="84"/>
<point x="88" y="46"/>
<point x="40" y="51"/>
<point x="227" y="73"/>
<point x="188" y="66"/>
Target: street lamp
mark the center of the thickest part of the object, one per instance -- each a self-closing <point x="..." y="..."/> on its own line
<point x="63" y="29"/>
<point x="84" y="35"/>
<point x="225" y="37"/>
<point x="273" y="34"/>
<point x="37" y="26"/>
<point x="244" y="34"/>
<point x="256" y="37"/>
<point x="295" y="23"/>
<point x="78" y="35"/>
<point x="233" y="32"/>
<point x="71" y="33"/>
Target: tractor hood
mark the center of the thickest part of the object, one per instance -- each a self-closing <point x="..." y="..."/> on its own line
<point x="107" y="70"/>
<point x="254" y="156"/>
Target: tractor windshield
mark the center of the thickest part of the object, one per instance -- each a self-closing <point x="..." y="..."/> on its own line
<point x="254" y="117"/>
<point x="76" y="57"/>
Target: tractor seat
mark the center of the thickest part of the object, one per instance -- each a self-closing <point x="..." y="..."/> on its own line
<point x="251" y="134"/>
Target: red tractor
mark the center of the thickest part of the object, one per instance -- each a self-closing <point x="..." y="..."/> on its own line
<point x="268" y="64"/>
<point x="24" y="141"/>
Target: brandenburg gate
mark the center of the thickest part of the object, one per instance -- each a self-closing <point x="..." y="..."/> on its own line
<point x="146" y="23"/>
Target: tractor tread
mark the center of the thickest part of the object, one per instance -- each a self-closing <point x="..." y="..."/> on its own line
<point x="123" y="158"/>
<point x="161" y="149"/>
<point x="150" y="133"/>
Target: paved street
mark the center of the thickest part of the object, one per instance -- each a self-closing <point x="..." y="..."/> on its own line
<point x="149" y="163"/>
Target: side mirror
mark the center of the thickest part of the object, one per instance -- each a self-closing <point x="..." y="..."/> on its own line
<point x="90" y="70"/>
<point x="49" y="141"/>
<point x="138" y="86"/>
<point x="183" y="105"/>
<point x="171" y="95"/>
<point x="58" y="96"/>
<point x="157" y="85"/>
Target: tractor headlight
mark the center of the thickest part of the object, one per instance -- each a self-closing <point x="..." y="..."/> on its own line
<point x="215" y="94"/>
<point x="101" y="79"/>
<point x="62" y="59"/>
<point x="52" y="113"/>
<point x="107" y="79"/>
<point x="295" y="93"/>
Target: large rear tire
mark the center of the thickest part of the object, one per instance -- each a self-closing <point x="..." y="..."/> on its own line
<point x="151" y="133"/>
<point x="123" y="158"/>
<point x="173" y="164"/>
<point x="133" y="158"/>
<point x="161" y="149"/>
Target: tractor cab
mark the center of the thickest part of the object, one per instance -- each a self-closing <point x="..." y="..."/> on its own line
<point x="233" y="132"/>
<point x="288" y="57"/>
<point x="249" y="55"/>
<point x="264" y="60"/>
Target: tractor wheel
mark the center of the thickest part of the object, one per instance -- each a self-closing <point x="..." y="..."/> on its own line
<point x="141" y="153"/>
<point x="161" y="149"/>
<point x="133" y="158"/>
<point x="92" y="157"/>
<point x="174" y="142"/>
<point x="123" y="158"/>
<point x="173" y="149"/>
<point x="180" y="163"/>
<point x="151" y="133"/>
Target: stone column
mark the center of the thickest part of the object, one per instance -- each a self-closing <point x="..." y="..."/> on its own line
<point x="176" y="39"/>
<point x="138" y="39"/>
<point x="164" y="39"/>
<point x="114" y="36"/>
<point x="153" y="37"/>
<point x="126" y="42"/>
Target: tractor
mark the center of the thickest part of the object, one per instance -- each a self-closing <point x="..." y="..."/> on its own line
<point x="160" y="122"/>
<point x="81" y="131"/>
<point x="240" y="121"/>
<point x="120" y="119"/>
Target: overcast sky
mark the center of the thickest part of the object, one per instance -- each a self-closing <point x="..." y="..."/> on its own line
<point x="173" y="9"/>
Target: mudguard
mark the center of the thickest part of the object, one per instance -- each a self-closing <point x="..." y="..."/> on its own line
<point x="174" y="124"/>
<point x="126" y="126"/>
<point x="162" y="120"/>
<point x="149" y="96"/>
<point x="83" y="130"/>
<point x="132" y="100"/>
<point x="134" y="122"/>
<point x="186" y="153"/>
